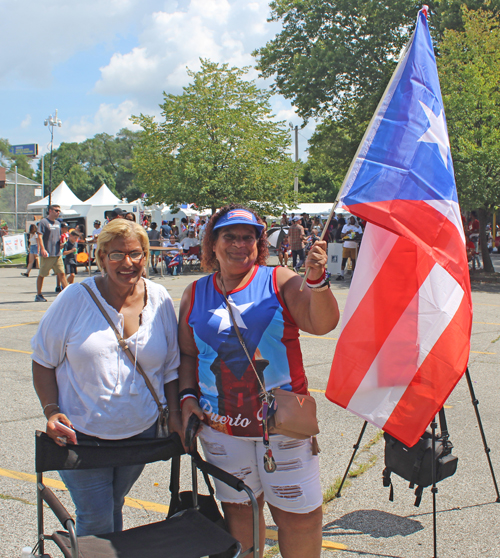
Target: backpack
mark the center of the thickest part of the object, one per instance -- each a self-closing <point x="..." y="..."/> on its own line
<point x="414" y="464"/>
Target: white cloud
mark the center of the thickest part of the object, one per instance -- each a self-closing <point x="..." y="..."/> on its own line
<point x="108" y="118"/>
<point x="221" y="30"/>
<point x="26" y="122"/>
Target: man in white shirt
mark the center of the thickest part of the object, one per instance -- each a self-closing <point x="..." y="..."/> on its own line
<point x="189" y="241"/>
<point x="351" y="234"/>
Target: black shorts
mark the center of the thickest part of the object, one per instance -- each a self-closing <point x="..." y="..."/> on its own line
<point x="70" y="268"/>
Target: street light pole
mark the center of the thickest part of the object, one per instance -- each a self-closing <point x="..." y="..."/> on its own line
<point x="296" y="179"/>
<point x="51" y="121"/>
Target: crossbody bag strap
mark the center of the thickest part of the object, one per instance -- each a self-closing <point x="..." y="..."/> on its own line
<point x="240" y="337"/>
<point x="125" y="347"/>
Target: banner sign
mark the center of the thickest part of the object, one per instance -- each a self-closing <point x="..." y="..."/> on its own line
<point x="30" y="149"/>
<point x="15" y="244"/>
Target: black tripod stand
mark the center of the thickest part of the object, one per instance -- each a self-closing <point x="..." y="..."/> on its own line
<point x="434" y="489"/>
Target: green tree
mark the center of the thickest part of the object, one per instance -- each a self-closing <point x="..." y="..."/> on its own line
<point x="333" y="60"/>
<point x="102" y="159"/>
<point x="217" y="144"/>
<point x="469" y="69"/>
<point x="331" y="54"/>
<point x="450" y="15"/>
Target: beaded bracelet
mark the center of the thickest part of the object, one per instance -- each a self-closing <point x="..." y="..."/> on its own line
<point x="324" y="281"/>
<point x="311" y="283"/>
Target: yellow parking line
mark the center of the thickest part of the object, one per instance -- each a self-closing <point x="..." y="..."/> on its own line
<point x="320" y="337"/>
<point x="15" y="351"/>
<point x="18" y="325"/>
<point x="317" y="390"/>
<point x="59" y="485"/>
<point x="482" y="353"/>
<point x="485" y="323"/>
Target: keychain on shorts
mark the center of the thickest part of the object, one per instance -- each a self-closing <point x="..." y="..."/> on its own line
<point x="269" y="462"/>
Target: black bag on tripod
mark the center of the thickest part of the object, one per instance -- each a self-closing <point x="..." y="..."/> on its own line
<point x="415" y="463"/>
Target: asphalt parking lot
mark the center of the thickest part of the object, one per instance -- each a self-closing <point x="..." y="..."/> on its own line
<point x="363" y="522"/>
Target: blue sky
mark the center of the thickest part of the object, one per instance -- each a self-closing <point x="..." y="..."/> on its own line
<point x="100" y="61"/>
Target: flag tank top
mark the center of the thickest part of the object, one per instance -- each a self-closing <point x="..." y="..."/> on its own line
<point x="229" y="388"/>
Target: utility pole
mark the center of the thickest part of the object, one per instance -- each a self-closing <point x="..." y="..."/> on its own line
<point x="296" y="179"/>
<point x="51" y="121"/>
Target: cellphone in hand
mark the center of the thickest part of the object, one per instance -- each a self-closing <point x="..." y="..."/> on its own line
<point x="191" y="429"/>
<point x="67" y="431"/>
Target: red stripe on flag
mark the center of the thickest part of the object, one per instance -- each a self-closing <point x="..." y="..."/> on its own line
<point x="427" y="227"/>
<point x="392" y="290"/>
<point x="434" y="381"/>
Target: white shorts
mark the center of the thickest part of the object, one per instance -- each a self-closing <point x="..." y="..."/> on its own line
<point x="294" y="486"/>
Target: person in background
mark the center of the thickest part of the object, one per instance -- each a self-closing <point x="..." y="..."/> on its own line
<point x="33" y="249"/>
<point x="297" y="237"/>
<point x="283" y="251"/>
<point x="189" y="241"/>
<point x="49" y="244"/>
<point x="165" y="230"/>
<point x="117" y="213"/>
<point x="84" y="380"/>
<point x="95" y="233"/>
<point x="351" y="235"/>
<point x="201" y="230"/>
<point x="70" y="250"/>
<point x="311" y="239"/>
<point x="175" y="251"/>
<point x="338" y="231"/>
<point x="184" y="229"/>
<point x="130" y="217"/>
<point x="154" y="240"/>
<point x="64" y="239"/>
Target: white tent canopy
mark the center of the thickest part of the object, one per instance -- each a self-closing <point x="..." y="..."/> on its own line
<point x="103" y="196"/>
<point x="62" y="196"/>
<point x="316" y="209"/>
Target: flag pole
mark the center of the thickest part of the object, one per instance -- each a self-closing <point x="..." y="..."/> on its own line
<point x="348" y="177"/>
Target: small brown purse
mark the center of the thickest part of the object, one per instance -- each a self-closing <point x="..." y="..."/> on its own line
<point x="295" y="415"/>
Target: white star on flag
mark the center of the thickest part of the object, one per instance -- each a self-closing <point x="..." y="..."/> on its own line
<point x="437" y="132"/>
<point x="223" y="313"/>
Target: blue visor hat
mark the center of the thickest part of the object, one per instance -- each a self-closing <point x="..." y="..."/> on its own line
<point x="239" y="217"/>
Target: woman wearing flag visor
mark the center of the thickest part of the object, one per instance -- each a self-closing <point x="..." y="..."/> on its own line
<point x="218" y="384"/>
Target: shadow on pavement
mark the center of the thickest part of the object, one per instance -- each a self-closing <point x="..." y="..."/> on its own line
<point x="374" y="523"/>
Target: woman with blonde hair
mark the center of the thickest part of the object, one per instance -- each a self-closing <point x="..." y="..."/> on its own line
<point x="86" y="381"/>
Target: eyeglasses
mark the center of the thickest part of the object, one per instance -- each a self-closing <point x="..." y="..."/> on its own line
<point x="120" y="256"/>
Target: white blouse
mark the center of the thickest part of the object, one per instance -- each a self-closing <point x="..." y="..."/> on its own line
<point x="99" y="389"/>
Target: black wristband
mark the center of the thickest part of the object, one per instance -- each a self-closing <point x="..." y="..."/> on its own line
<point x="188" y="391"/>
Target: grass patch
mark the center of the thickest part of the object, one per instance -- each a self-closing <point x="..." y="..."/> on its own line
<point x="15" y="260"/>
<point x="7" y="497"/>
<point x="357" y="469"/>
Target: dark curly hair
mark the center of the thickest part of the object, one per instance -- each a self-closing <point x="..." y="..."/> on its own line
<point x="208" y="259"/>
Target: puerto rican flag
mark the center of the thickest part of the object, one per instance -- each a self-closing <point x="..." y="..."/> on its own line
<point x="406" y="327"/>
<point x="176" y="260"/>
